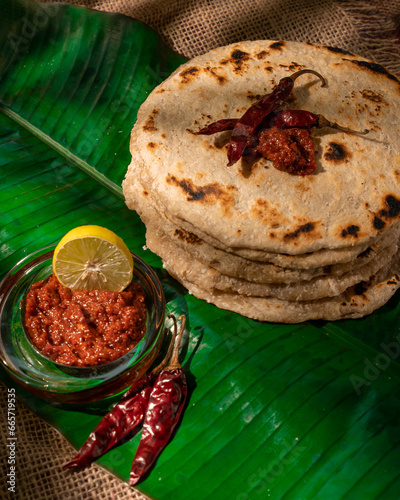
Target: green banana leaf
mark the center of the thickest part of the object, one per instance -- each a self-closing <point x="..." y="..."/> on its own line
<point x="282" y="411"/>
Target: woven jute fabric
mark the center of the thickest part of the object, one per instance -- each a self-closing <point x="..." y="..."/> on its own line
<point x="40" y="453"/>
<point x="191" y="27"/>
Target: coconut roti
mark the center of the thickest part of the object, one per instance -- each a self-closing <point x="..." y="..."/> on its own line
<point x="256" y="240"/>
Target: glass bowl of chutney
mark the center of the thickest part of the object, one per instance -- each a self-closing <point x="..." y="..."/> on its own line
<point x="67" y="384"/>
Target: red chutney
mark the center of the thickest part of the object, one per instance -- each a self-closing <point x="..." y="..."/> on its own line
<point x="290" y="150"/>
<point x="82" y="328"/>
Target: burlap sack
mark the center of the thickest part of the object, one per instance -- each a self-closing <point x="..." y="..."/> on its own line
<point x="40" y="454"/>
<point x="192" y="27"/>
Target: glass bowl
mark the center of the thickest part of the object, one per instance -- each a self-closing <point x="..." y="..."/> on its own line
<point x="61" y="383"/>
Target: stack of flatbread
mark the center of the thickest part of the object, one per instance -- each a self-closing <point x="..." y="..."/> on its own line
<point x="250" y="238"/>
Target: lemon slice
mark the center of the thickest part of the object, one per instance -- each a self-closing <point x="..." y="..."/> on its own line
<point x="93" y="258"/>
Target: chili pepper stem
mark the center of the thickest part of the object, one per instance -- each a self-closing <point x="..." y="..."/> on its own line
<point x="164" y="363"/>
<point x="159" y="368"/>
<point x="302" y="71"/>
<point x="174" y="363"/>
<point x="323" y="122"/>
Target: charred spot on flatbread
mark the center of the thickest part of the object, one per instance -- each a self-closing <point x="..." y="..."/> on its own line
<point x="293" y="66"/>
<point x="221" y="79"/>
<point x="304" y="229"/>
<point x="392" y="209"/>
<point x="209" y="193"/>
<point x="279" y="45"/>
<point x="378" y="223"/>
<point x="337" y="50"/>
<point x="239" y="55"/>
<point x="266" y="213"/>
<point x="373" y="97"/>
<point x="187" y="237"/>
<point x="149" y="125"/>
<point x="374" y="68"/>
<point x="261" y="55"/>
<point x="361" y="288"/>
<point x="188" y="74"/>
<point x="394" y="280"/>
<point x="336" y="152"/>
<point x="351" y="230"/>
<point x="365" y="253"/>
<point x="237" y="59"/>
<point x="253" y="97"/>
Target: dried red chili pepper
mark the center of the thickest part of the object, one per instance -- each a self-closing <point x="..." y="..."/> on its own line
<point x="229" y="124"/>
<point x="122" y="419"/>
<point x="289" y="118"/>
<point x="166" y="403"/>
<point x="299" y="118"/>
<point x="218" y="126"/>
<point x="246" y="125"/>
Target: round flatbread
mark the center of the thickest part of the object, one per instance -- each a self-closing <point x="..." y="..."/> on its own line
<point x="356" y="302"/>
<point x="256" y="240"/>
<point x="183" y="265"/>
